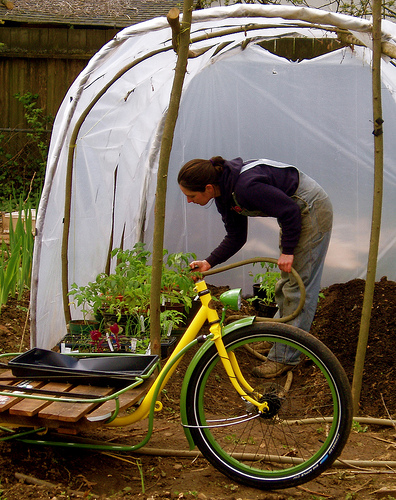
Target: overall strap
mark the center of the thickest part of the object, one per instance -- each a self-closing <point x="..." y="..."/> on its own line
<point x="263" y="161"/>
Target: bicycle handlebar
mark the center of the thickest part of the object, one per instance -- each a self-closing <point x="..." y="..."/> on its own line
<point x="300" y="283"/>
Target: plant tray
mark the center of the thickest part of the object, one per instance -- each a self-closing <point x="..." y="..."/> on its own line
<point x="82" y="344"/>
<point x="113" y="370"/>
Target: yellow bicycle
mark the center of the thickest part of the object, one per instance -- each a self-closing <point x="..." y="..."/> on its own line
<point x="268" y="434"/>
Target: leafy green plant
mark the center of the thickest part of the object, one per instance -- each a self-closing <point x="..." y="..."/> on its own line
<point x="177" y="284"/>
<point x="350" y="496"/>
<point x="22" y="170"/>
<point x="125" y="293"/>
<point x="169" y="319"/>
<point x="266" y="281"/>
<point x="356" y="427"/>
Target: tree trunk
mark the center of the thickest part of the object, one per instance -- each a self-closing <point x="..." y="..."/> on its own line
<point x="377" y="207"/>
<point x="160" y="198"/>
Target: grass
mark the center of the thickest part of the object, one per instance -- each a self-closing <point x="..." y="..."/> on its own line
<point x="16" y="257"/>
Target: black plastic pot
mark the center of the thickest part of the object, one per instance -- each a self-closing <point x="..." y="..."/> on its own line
<point x="167" y="346"/>
<point x="263" y="309"/>
<point x="266" y="311"/>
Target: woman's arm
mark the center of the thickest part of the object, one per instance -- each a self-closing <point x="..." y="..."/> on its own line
<point x="236" y="227"/>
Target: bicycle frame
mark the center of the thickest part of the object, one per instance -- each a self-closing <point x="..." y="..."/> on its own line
<point x="188" y="340"/>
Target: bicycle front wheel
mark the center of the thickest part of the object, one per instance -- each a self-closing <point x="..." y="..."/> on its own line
<point x="306" y="422"/>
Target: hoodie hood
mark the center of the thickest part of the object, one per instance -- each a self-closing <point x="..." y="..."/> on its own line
<point x="230" y="177"/>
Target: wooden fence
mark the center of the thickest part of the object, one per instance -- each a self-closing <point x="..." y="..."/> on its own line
<point x="43" y="61"/>
<point x="46" y="61"/>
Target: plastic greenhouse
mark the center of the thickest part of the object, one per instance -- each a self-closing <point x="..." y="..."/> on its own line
<point x="239" y="99"/>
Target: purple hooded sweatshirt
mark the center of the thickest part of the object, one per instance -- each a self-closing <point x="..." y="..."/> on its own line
<point x="263" y="189"/>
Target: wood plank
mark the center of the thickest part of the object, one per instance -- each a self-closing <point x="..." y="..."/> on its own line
<point x="81" y="425"/>
<point x="127" y="399"/>
<point x="6" y="402"/>
<point x="30" y="407"/>
<point x="71" y="412"/>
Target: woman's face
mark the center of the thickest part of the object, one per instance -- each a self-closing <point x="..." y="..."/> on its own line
<point x="199" y="197"/>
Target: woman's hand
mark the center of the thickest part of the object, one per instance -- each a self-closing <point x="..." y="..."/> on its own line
<point x="285" y="262"/>
<point x="200" y="266"/>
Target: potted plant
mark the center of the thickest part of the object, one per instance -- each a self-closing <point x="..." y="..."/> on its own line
<point x="123" y="296"/>
<point x="264" y="290"/>
<point x="177" y="285"/>
<point x="82" y="326"/>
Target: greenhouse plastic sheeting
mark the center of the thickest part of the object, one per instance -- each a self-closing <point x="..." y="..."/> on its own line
<point x="237" y="101"/>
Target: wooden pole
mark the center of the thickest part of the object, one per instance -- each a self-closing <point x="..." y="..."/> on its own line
<point x="162" y="177"/>
<point x="377" y="208"/>
<point x="174" y="23"/>
<point x="8" y="5"/>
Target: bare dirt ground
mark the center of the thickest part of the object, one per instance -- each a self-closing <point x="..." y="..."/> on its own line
<point x="87" y="474"/>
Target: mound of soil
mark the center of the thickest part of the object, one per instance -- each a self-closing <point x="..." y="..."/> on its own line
<point x="337" y="324"/>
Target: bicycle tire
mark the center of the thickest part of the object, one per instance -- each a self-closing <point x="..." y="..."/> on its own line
<point x="304" y="430"/>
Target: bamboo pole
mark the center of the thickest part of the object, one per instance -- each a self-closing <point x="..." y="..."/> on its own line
<point x="377" y="207"/>
<point x="162" y="177"/>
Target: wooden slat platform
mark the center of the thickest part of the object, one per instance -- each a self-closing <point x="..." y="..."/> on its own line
<point x="71" y="412"/>
<point x="30" y="407"/>
<point x="7" y="402"/>
<point x="68" y="416"/>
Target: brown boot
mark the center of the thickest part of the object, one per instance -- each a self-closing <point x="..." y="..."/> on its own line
<point x="270" y="369"/>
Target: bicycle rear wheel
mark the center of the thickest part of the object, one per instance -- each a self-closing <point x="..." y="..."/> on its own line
<point x="305" y="427"/>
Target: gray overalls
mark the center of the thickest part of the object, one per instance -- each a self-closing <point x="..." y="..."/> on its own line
<point x="309" y="256"/>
